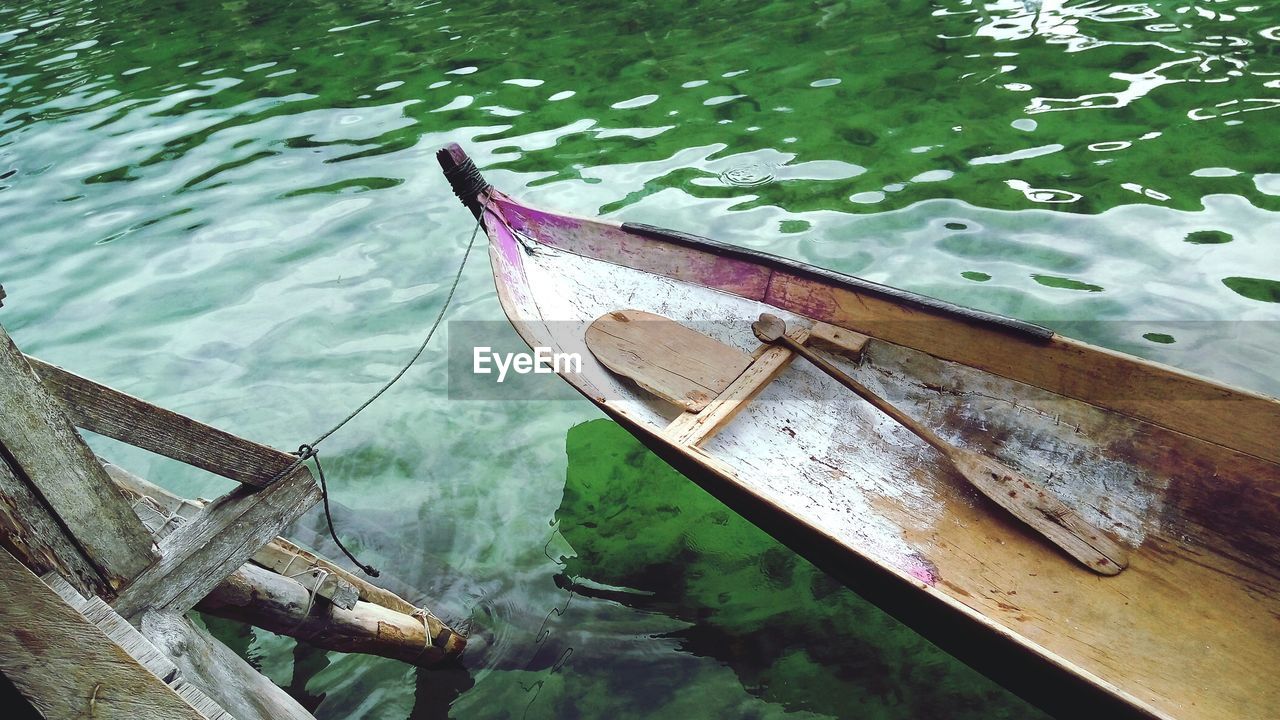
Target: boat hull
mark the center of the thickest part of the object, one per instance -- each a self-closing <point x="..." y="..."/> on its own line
<point x="1143" y="450"/>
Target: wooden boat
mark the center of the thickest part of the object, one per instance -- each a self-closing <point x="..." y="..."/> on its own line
<point x="1181" y="470"/>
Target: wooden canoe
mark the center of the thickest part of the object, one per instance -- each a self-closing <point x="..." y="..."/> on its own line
<point x="1183" y="471"/>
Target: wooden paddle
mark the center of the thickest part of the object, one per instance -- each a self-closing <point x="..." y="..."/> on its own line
<point x="1027" y="500"/>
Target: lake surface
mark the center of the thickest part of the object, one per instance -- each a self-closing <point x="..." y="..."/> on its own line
<point x="232" y="209"/>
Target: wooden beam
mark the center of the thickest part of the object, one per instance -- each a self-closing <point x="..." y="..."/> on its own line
<point x="217" y="671"/>
<point x="30" y="531"/>
<point x="279" y="554"/>
<point x="106" y="411"/>
<point x="837" y="340"/>
<point x="341" y="587"/>
<point x="282" y="605"/>
<point x="199" y="554"/>
<point x="52" y="457"/>
<point x="69" y="668"/>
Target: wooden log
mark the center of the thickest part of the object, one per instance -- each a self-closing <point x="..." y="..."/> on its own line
<point x="271" y="601"/>
<point x="69" y="668"/>
<point x="199" y="554"/>
<point x="367" y="590"/>
<point x="32" y="533"/>
<point x="107" y="411"/>
<point x="319" y="577"/>
<point x="52" y="457"/>
<point x="442" y="635"/>
<point x="216" y="671"/>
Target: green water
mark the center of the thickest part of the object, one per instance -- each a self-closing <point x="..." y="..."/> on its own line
<point x="232" y="209"/>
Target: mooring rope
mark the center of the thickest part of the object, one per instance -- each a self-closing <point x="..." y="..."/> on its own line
<point x="308" y="451"/>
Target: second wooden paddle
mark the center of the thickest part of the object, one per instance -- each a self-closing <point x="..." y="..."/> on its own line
<point x="1025" y="499"/>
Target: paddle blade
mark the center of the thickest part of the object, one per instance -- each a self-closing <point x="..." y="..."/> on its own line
<point x="1043" y="511"/>
<point x="676" y="363"/>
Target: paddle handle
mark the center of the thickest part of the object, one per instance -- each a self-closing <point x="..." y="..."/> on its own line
<point x="865" y="393"/>
<point x="1027" y="501"/>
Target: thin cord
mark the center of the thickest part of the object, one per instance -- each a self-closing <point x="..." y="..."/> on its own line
<point x="307" y="451"/>
<point x="440" y="316"/>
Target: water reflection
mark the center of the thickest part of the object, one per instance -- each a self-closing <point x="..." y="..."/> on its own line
<point x="645" y="537"/>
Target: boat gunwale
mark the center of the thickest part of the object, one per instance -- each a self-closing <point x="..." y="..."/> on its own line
<point x="975" y="321"/>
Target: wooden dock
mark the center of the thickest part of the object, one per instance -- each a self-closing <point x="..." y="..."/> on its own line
<point x="99" y="568"/>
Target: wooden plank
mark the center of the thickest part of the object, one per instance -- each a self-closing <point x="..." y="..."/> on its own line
<point x="53" y="458"/>
<point x="697" y="428"/>
<point x="341" y="587"/>
<point x="106" y="411"/>
<point x="212" y="672"/>
<point x="1142" y="389"/>
<point x="69" y="668"/>
<point x="675" y="363"/>
<point x="282" y="605"/>
<point x="838" y="340"/>
<point x="30" y="531"/>
<point x="208" y="548"/>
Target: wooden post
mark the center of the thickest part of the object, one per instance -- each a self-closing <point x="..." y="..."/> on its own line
<point x="50" y="456"/>
<point x="199" y="554"/>
<point x="32" y="533"/>
<point x="66" y="666"/>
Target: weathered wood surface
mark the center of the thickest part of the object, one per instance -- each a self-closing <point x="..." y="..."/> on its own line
<point x="216" y="671"/>
<point x="69" y="668"/>
<point x="48" y="453"/>
<point x="106" y="411"/>
<point x="338" y="586"/>
<point x="451" y="641"/>
<point x="1025" y="499"/>
<point x="1122" y="383"/>
<point x="115" y="627"/>
<point x="258" y="596"/>
<point x="698" y="428"/>
<point x="284" y="557"/>
<point x="30" y="531"/>
<point x="199" y="554"/>
<point x="838" y="340"/>
<point x="160" y="510"/>
<point x="368" y="591"/>
<point x="676" y="363"/>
